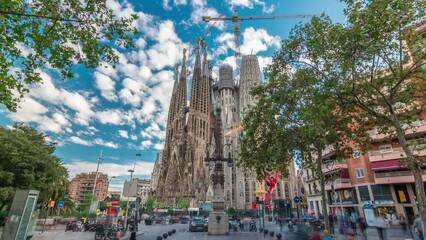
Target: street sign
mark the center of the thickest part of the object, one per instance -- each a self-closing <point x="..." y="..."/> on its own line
<point x="296" y="199"/>
<point x="61" y="204"/>
<point x="402" y="196"/>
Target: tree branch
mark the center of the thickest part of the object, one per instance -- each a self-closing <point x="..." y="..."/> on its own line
<point x="38" y="16"/>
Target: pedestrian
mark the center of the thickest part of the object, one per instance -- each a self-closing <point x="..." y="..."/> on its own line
<point x="418" y="227"/>
<point x="326" y="235"/>
<point x="280" y="222"/>
<point x="381" y="227"/>
<point x="350" y="236"/>
<point x="362" y="227"/>
<point x="316" y="236"/>
<point x="403" y="223"/>
<point x="331" y="221"/>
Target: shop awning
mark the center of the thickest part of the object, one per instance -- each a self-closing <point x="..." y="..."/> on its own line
<point x="387" y="165"/>
<point x="344" y="173"/>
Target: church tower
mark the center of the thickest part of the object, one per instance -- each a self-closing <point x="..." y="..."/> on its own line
<point x="199" y="126"/>
<point x="174" y="151"/>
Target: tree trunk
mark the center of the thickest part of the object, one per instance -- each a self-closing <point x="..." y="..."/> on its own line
<point x="416" y="169"/>
<point x="322" y="186"/>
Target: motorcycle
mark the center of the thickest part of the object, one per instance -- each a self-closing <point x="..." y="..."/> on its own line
<point x="233" y="226"/>
<point x="253" y="226"/>
<point x="90" y="226"/>
<point x="100" y="232"/>
<point x="290" y="226"/>
<point x="75" y="226"/>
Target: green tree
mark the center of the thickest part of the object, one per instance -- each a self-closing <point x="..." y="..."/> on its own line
<point x="382" y="82"/>
<point x="58" y="33"/>
<point x="297" y="110"/>
<point x="150" y="203"/>
<point x="27" y="162"/>
<point x="183" y="204"/>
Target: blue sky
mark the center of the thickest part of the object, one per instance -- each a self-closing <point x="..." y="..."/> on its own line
<point x="123" y="110"/>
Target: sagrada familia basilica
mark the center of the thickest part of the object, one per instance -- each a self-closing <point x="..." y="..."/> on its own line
<point x="180" y="171"/>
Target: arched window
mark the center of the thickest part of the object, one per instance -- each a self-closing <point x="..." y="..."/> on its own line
<point x="241" y="189"/>
<point x="247" y="192"/>
<point x="286" y="191"/>
<point x="253" y="185"/>
<point x="279" y="190"/>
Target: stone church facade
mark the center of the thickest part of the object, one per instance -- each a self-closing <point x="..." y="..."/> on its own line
<point x="183" y="174"/>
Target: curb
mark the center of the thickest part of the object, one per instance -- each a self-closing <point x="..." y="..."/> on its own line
<point x="137" y="235"/>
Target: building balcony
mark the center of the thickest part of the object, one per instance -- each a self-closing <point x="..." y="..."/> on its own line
<point x="332" y="166"/>
<point x="314" y="193"/>
<point x="404" y="176"/>
<point x="420" y="127"/>
<point x="339" y="183"/>
<point x="395" y="153"/>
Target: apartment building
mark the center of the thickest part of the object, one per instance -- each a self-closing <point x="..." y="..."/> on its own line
<point x="137" y="188"/>
<point x="83" y="183"/>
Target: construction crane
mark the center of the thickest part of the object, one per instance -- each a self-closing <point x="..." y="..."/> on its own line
<point x="235" y="19"/>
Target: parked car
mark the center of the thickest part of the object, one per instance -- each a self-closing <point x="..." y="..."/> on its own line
<point x="198" y="224"/>
<point x="184" y="219"/>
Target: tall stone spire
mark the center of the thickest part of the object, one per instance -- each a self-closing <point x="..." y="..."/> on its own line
<point x="206" y="70"/>
<point x="199" y="122"/>
<point x="182" y="90"/>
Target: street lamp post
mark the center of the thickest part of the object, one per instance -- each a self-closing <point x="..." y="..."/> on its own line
<point x="218" y="220"/>
<point x="131" y="171"/>
<point x="95" y="183"/>
<point x="260" y="192"/>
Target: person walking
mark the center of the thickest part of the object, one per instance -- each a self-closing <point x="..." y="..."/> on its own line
<point x="326" y="235"/>
<point x="403" y="223"/>
<point x="418" y="226"/>
<point x="362" y="225"/>
<point x="331" y="221"/>
<point x="280" y="222"/>
<point x="381" y="227"/>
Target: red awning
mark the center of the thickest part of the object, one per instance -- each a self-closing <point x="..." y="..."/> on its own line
<point x="344" y="173"/>
<point x="387" y="165"/>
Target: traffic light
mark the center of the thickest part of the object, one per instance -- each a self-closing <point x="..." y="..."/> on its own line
<point x="415" y="200"/>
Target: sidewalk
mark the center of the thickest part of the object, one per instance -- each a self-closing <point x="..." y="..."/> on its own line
<point x="61" y="234"/>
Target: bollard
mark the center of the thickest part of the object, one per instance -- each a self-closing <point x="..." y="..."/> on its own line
<point x="170" y="233"/>
<point x="159" y="238"/>
<point x="266" y="231"/>
<point x="279" y="236"/>
<point x="165" y="235"/>
<point x="173" y="231"/>
<point x="271" y="233"/>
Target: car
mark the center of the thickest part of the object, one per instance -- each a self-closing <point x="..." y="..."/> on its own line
<point x="184" y="219"/>
<point x="198" y="224"/>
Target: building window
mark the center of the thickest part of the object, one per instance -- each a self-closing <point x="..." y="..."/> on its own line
<point x="363" y="193"/>
<point x="356" y="154"/>
<point x="241" y="189"/>
<point x="253" y="185"/>
<point x="279" y="190"/>
<point x="247" y="192"/>
<point x="381" y="192"/>
<point x="286" y="191"/>
<point x="385" y="148"/>
<point x="359" y="173"/>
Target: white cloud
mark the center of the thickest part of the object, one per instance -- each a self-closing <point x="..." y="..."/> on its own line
<point x="133" y="137"/>
<point x="47" y="91"/>
<point x="109" y="144"/>
<point x="201" y="10"/>
<point x="153" y="131"/>
<point x="106" y="85"/>
<point x="112" y="169"/>
<point x="123" y="133"/>
<point x="146" y="144"/>
<point x="263" y="62"/>
<point x="159" y="146"/>
<point x="258" y="40"/>
<point x="250" y="4"/>
<point x="80" y="141"/>
<point x="111" y="116"/>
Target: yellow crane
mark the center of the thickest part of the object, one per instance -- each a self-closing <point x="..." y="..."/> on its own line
<point x="235" y="19"/>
